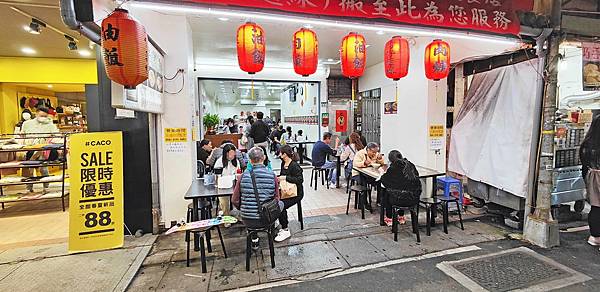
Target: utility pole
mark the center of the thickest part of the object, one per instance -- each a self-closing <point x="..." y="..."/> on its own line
<point x="540" y="228"/>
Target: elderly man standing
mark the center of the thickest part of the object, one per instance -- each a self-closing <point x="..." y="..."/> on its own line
<point x="267" y="186"/>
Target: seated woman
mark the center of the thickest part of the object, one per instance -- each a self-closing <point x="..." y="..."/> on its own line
<point x="266" y="163"/>
<point x="402" y="185"/>
<point x="292" y="173"/>
<point x="350" y="149"/>
<point x="228" y="165"/>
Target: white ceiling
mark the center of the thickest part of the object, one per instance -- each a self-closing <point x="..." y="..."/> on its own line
<point x="49" y="44"/>
<point x="234" y="92"/>
<point x="214" y="42"/>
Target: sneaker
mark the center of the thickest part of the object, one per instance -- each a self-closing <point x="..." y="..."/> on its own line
<point x="594" y="241"/>
<point x="388" y="221"/>
<point x="401" y="220"/>
<point x="282" y="235"/>
<point x="255" y="244"/>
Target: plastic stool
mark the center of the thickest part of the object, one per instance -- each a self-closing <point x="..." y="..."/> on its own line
<point x="446" y="183"/>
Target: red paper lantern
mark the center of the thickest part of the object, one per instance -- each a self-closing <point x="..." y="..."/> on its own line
<point x="251" y="47"/>
<point x="354" y="55"/>
<point x="437" y="60"/>
<point x="305" y="52"/>
<point x="396" y="58"/>
<point x="125" y="49"/>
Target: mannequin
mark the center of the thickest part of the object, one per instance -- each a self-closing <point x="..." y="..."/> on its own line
<point x="25" y="116"/>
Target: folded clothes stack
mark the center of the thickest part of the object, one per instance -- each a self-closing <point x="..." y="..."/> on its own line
<point x="10" y="164"/>
<point x="31" y="162"/>
<point x="53" y="146"/>
<point x="52" y="178"/>
<point x="11" y="147"/>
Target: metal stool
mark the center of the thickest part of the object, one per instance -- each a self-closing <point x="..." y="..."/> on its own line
<point x="270" y="234"/>
<point x="360" y="198"/>
<point x="204" y="212"/>
<point x="430" y="208"/>
<point x="202" y="252"/>
<point x="300" y="217"/>
<point x="314" y="176"/>
<point x="414" y="220"/>
<point x="445" y="204"/>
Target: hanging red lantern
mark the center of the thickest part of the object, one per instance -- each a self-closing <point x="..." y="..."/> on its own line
<point x="353" y="54"/>
<point x="251" y="47"/>
<point x="396" y="58"/>
<point x="125" y="49"/>
<point x="437" y="60"/>
<point x="305" y="52"/>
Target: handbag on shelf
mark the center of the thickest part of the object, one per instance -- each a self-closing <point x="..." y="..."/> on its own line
<point x="268" y="211"/>
<point x="287" y="190"/>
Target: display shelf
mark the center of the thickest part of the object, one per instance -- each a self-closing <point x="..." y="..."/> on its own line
<point x="51" y="139"/>
<point x="30" y="182"/>
<point x="50" y="164"/>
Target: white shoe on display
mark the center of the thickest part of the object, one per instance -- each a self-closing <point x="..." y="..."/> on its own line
<point x="282" y="235"/>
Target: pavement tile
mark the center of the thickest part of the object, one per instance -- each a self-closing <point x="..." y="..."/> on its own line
<point x="181" y="278"/>
<point x="148" y="278"/>
<point x="302" y="259"/>
<point x="230" y="273"/>
<point x="406" y="246"/>
<point x="358" y="251"/>
<point x="32" y="252"/>
<point x="7" y="269"/>
<point x="436" y="241"/>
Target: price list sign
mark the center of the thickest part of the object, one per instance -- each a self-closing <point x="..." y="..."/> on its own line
<point x="96" y="191"/>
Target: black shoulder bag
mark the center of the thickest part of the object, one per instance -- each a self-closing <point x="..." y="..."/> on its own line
<point x="269" y="211"/>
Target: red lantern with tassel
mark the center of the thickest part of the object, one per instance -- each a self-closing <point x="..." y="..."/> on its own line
<point x="305" y="52"/>
<point x="251" y="47"/>
<point x="353" y="54"/>
<point x="125" y="49"/>
<point x="437" y="60"/>
<point x="396" y="58"/>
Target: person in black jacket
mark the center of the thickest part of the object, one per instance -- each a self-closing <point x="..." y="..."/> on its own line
<point x="402" y="181"/>
<point x="589" y="152"/>
<point x="203" y="150"/>
<point x="293" y="174"/>
<point x="260" y="131"/>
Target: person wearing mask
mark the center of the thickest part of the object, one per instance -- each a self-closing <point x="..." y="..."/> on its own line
<point x="42" y="124"/>
<point x="203" y="150"/>
<point x="353" y="146"/>
<point x="228" y="166"/>
<point x="589" y="152"/>
<point x="260" y="131"/>
<point x="292" y="173"/>
<point x="401" y="180"/>
<point x="244" y="198"/>
<point x="320" y="151"/>
<point x="231" y="126"/>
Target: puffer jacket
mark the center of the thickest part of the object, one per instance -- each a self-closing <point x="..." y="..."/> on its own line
<point x="266" y="185"/>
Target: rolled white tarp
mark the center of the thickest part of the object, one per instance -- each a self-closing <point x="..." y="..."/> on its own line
<point x="491" y="138"/>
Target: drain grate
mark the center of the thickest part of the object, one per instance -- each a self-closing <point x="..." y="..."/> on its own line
<point x="509" y="270"/>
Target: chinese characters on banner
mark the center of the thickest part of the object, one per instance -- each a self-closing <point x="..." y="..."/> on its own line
<point x="497" y="16"/>
<point x="96" y="195"/>
<point x="591" y="66"/>
<point x="341" y="120"/>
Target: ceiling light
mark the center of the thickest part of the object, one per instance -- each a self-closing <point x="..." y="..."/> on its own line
<point x="72" y="44"/>
<point x="380" y="32"/>
<point x="223" y="18"/>
<point x="395" y="29"/>
<point x="50" y="86"/>
<point x="330" y="60"/>
<point x="84" y="53"/>
<point x="308" y="26"/>
<point x="28" y="51"/>
<point x="35" y="26"/>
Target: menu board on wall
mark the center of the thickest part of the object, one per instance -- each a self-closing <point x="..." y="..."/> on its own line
<point x="591" y="66"/>
<point x="148" y="96"/>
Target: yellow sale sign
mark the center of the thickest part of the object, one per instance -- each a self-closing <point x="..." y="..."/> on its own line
<point x="96" y="195"/>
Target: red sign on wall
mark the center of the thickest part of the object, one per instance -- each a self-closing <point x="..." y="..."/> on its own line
<point x="497" y="16"/>
<point x="341" y="120"/>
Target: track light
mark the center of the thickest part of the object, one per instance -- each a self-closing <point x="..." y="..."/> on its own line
<point x="35" y="26"/>
<point x="72" y="44"/>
